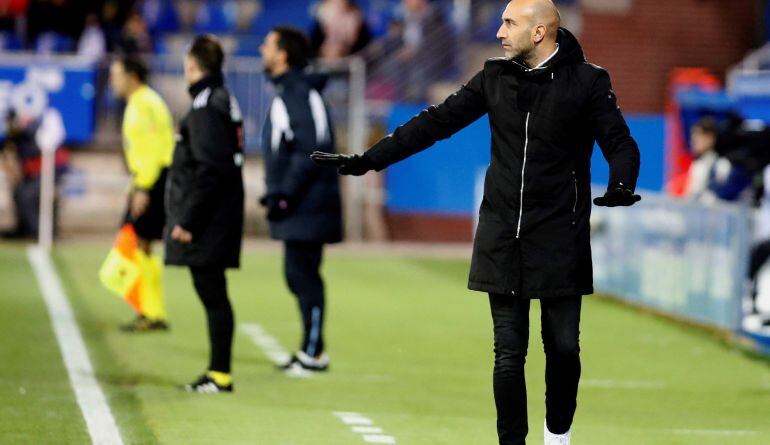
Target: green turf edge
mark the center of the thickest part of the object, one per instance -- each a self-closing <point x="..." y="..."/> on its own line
<point x="728" y="339"/>
<point x="123" y="401"/>
<point x="37" y="401"/>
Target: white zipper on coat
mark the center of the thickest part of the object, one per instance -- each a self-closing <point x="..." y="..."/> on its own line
<point x="523" y="166"/>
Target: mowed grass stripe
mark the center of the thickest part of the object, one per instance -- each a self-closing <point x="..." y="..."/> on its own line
<point x="411" y="348"/>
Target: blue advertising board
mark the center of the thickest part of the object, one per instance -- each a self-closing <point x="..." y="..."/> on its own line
<point x="31" y="86"/>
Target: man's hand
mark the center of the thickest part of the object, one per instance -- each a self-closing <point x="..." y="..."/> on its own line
<point x="181" y="235"/>
<point x="617" y="195"/>
<point x="140" y="200"/>
<point x="278" y="206"/>
<point x="355" y="165"/>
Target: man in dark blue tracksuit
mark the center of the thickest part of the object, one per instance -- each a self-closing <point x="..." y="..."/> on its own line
<point x="302" y="199"/>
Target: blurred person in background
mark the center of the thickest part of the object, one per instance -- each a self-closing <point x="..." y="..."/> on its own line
<point x="135" y="37"/>
<point x="742" y="145"/>
<point x="760" y="253"/>
<point x="92" y="43"/>
<point x="384" y="69"/>
<point x="424" y="58"/>
<point x="21" y="156"/>
<point x="12" y="11"/>
<point x="302" y="199"/>
<point x="731" y="174"/>
<point x="148" y="144"/>
<point x="112" y="17"/>
<point x="703" y="139"/>
<point x="547" y="105"/>
<point x="339" y="29"/>
<point x="205" y="201"/>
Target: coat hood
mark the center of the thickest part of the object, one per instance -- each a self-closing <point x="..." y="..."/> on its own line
<point x="569" y="52"/>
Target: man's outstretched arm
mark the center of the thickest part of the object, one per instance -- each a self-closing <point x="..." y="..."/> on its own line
<point x="433" y="124"/>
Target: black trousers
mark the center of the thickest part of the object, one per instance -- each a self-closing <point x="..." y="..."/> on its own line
<point x="211" y="286"/>
<point x="26" y="200"/>
<point x="560" y="320"/>
<point x="759" y="255"/>
<point x="302" y="264"/>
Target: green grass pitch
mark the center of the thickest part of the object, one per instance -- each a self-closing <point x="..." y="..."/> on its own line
<point x="411" y="349"/>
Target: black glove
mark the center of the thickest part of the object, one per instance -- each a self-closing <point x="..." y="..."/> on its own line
<point x="617" y="195"/>
<point x="355" y="165"/>
<point x="279" y="206"/>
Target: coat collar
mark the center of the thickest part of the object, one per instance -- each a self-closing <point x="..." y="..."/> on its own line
<point x="287" y="77"/>
<point x="210" y="81"/>
<point x="316" y="81"/>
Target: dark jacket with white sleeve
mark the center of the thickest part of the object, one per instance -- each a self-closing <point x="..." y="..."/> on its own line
<point x="297" y="124"/>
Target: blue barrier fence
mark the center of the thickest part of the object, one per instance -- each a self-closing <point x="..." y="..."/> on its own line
<point x="679" y="257"/>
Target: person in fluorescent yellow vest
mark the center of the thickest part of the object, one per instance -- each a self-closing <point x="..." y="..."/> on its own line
<point x="148" y="142"/>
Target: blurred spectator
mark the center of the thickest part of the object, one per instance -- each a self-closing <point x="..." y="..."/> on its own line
<point x="728" y="181"/>
<point x="135" y="37"/>
<point x="726" y="159"/>
<point x="21" y="162"/>
<point x="113" y="15"/>
<point x="339" y="29"/>
<point x="742" y="149"/>
<point x="428" y="48"/>
<point x="92" y="44"/>
<point x="10" y="10"/>
<point x="760" y="253"/>
<point x="703" y="138"/>
<point x="384" y="68"/>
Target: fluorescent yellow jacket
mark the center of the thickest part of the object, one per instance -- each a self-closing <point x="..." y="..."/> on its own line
<point x="148" y="136"/>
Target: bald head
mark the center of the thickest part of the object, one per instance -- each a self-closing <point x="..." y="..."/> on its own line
<point x="543" y="12"/>
<point x="529" y="29"/>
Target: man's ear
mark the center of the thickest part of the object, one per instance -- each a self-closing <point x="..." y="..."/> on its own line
<point x="538" y="33"/>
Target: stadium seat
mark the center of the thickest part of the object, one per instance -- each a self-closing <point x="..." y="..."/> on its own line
<point x="161" y="16"/>
<point x="9" y="42"/>
<point x="51" y="42"/>
<point x="294" y="13"/>
<point x="219" y="16"/>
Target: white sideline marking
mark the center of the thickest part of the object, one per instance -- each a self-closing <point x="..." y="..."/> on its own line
<point x="379" y="439"/>
<point x="715" y="432"/>
<point x="356" y="420"/>
<point x="366" y="430"/>
<point x="272" y="349"/>
<point x="101" y="424"/>
<point x="364" y="426"/>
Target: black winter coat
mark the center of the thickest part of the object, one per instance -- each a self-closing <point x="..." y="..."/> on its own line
<point x="533" y="237"/>
<point x="298" y="124"/>
<point x="205" y="185"/>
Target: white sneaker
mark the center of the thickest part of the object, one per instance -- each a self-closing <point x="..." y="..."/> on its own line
<point x="554" y="439"/>
<point x="320" y="363"/>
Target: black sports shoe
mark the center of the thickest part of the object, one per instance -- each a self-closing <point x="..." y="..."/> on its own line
<point x="144" y="324"/>
<point x="207" y="385"/>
